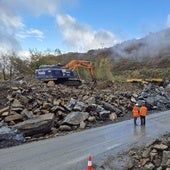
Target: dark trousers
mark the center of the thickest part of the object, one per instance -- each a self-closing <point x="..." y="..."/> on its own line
<point x="135" y="120"/>
<point x="142" y="120"/>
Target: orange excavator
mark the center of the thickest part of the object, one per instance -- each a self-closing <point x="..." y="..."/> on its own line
<point x="65" y="74"/>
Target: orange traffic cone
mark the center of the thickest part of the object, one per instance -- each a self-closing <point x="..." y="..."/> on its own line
<point x="89" y="166"/>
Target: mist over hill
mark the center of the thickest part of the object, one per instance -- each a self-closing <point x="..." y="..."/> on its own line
<point x="146" y="57"/>
<point x="152" y="46"/>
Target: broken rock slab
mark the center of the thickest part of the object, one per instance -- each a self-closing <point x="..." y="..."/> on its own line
<point x="10" y="136"/>
<point x="40" y="125"/>
<point x="74" y="118"/>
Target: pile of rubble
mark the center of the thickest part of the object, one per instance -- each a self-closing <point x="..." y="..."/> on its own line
<point x="155" y="97"/>
<point x="41" y="110"/>
<point x="154" y="155"/>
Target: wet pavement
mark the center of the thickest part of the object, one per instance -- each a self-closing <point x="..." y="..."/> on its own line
<point x="71" y="151"/>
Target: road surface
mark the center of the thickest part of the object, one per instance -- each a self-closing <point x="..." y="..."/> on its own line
<point x="71" y="152"/>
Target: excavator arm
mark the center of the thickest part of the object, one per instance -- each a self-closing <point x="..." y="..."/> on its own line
<point x="73" y="64"/>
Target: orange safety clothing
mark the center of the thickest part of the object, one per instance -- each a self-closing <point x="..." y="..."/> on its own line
<point x="135" y="111"/>
<point x="143" y="111"/>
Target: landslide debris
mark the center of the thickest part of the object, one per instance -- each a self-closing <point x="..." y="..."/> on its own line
<point x="42" y="110"/>
<point x="154" y="155"/>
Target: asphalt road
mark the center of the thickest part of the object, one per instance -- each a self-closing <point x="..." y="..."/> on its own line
<point x="71" y="152"/>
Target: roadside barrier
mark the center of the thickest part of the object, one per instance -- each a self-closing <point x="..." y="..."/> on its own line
<point x="89" y="166"/>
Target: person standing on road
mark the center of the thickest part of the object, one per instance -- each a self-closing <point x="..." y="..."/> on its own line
<point x="143" y="112"/>
<point x="135" y="112"/>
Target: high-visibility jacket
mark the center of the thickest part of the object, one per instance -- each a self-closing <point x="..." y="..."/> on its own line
<point x="143" y="111"/>
<point x="135" y="111"/>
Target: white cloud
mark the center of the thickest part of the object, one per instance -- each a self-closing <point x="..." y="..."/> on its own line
<point x="31" y="33"/>
<point x="23" y="54"/>
<point x="82" y="37"/>
<point x="168" y="21"/>
<point x="39" y="7"/>
<point x="36" y="33"/>
<point x="78" y="37"/>
<point x="10" y="22"/>
<point x="12" y="25"/>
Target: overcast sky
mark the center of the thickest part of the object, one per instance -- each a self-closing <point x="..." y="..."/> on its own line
<point x="78" y="25"/>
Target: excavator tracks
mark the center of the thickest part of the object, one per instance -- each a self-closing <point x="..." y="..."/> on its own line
<point x="69" y="82"/>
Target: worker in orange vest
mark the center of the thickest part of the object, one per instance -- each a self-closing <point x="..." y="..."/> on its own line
<point x="135" y="112"/>
<point x="143" y="112"/>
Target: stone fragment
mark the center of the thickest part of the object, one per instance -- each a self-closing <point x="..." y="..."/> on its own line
<point x="13" y="117"/>
<point x="40" y="125"/>
<point x="65" y="128"/>
<point x="74" y="118"/>
<point x="160" y="147"/>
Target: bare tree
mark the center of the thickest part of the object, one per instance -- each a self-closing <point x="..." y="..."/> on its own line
<point x="35" y="55"/>
<point x="11" y="65"/>
<point x="19" y="65"/>
<point x="4" y="62"/>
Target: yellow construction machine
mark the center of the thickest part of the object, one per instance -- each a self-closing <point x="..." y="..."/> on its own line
<point x="157" y="81"/>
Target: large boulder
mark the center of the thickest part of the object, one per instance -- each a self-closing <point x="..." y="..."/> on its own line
<point x="10" y="136"/>
<point x="40" y="125"/>
<point x="111" y="108"/>
<point x="74" y="118"/>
